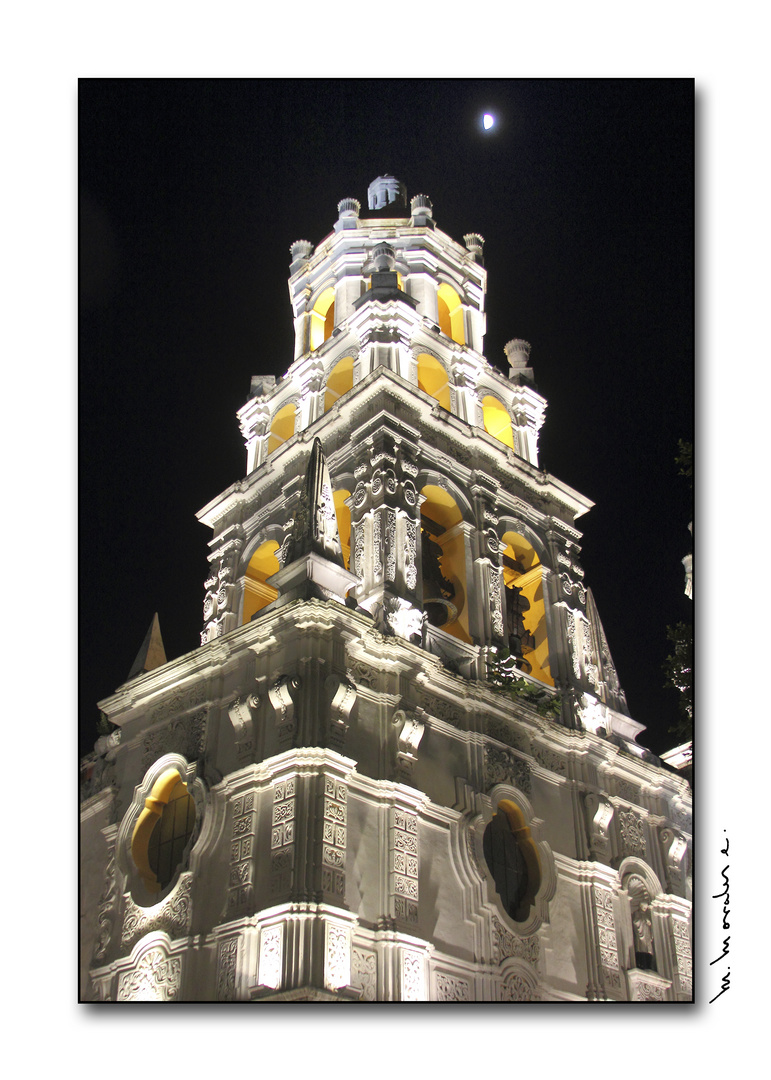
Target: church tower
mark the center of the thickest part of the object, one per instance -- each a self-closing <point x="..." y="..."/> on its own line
<point x="400" y="767"/>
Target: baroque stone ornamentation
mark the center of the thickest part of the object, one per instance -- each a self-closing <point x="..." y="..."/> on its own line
<point x="226" y="969"/>
<point x="452" y="988"/>
<point x="505" y="944"/>
<point x="682" y="943"/>
<point x="241" y="854"/>
<point x="516" y="987"/>
<point x="172" y="915"/>
<point x="337" y="966"/>
<point x="632" y="832"/>
<point x="282" y="696"/>
<point x="186" y="736"/>
<point x="599" y="815"/>
<point x="607" y="942"/>
<point x="282" y="836"/>
<point x="155" y="978"/>
<point x="412" y="976"/>
<point x="364" y="972"/>
<point x="404" y="866"/>
<point x="271" y="956"/>
<point x="341" y="693"/>
<point x="334" y="838"/>
<point x="505" y="767"/>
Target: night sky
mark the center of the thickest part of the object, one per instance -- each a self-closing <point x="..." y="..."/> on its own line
<point x="191" y="192"/>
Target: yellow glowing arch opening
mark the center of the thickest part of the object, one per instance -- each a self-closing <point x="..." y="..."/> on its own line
<point x="257" y="593"/>
<point x="282" y="427"/>
<point x="450" y="313"/>
<point x="444" y="563"/>
<point x="339" y="381"/>
<point x="522" y="569"/>
<point x="343" y="523"/>
<point x="433" y="380"/>
<point x="497" y="420"/>
<point x="322" y="318"/>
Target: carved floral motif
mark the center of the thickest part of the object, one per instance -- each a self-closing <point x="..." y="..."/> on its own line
<point x="155" y="978"/>
<point x="505" y="767"/>
<point x="172" y="915"/>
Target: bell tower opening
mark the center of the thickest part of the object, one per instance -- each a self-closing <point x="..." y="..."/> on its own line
<point x="525" y="607"/>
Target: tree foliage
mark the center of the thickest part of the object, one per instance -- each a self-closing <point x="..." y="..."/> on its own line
<point x="503" y="676"/>
<point x="678" y="672"/>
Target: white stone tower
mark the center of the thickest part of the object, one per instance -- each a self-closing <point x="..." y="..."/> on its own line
<point x="400" y="767"/>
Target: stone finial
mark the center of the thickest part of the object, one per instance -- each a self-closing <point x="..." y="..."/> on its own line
<point x="475" y="243"/>
<point x="348" y="214"/>
<point x="383" y="258"/>
<point x="518" y="354"/>
<point x="422" y="210"/>
<point x="386" y="190"/>
<point x="301" y="251"/>
<point x="349" y="207"/>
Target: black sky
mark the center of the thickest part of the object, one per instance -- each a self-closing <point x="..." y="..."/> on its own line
<point x="191" y="192"/>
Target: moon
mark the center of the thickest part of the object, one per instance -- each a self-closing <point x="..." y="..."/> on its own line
<point x="488" y="120"/>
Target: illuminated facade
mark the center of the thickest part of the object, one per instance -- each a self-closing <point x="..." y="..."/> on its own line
<point x="400" y="767"/>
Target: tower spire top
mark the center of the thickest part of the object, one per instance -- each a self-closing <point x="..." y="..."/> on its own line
<point x="152" y="653"/>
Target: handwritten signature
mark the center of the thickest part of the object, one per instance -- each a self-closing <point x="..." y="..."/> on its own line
<point x="725" y="897"/>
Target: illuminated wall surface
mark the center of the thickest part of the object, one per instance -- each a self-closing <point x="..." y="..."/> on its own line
<point x="401" y="765"/>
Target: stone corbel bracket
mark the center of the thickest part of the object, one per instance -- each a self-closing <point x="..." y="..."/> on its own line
<point x="241" y="714"/>
<point x="599" y="816"/>
<point x="411" y="727"/>
<point x="341" y="694"/>
<point x="282" y="695"/>
<point x="674" y="850"/>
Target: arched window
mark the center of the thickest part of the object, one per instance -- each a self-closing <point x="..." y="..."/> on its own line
<point x="432" y="379"/>
<point x="497" y="420"/>
<point x="525" y="608"/>
<point x="339" y="381"/>
<point x="343" y="524"/>
<point x="322" y="318"/>
<point x="282" y="427"/>
<point x="512" y="859"/>
<point x="163" y="830"/>
<point x="443" y="558"/>
<point x="257" y="593"/>
<point x="450" y="313"/>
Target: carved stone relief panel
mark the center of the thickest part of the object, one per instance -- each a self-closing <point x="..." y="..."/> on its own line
<point x="334" y="839"/>
<point x="186" y="736"/>
<point x="155" y="978"/>
<point x="607" y="941"/>
<point x="282" y="836"/>
<point x="107" y="906"/>
<point x="271" y="956"/>
<point x="240" y="880"/>
<point x="404" y="865"/>
<point x="227" y="957"/>
<point x="337" y="960"/>
<point x="516" y="987"/>
<point x="452" y="987"/>
<point x="172" y="915"/>
<point x="413" y="980"/>
<point x="506" y="767"/>
<point x="507" y="944"/>
<point x="681" y="940"/>
<point x="632" y="831"/>
<point x="364" y="972"/>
